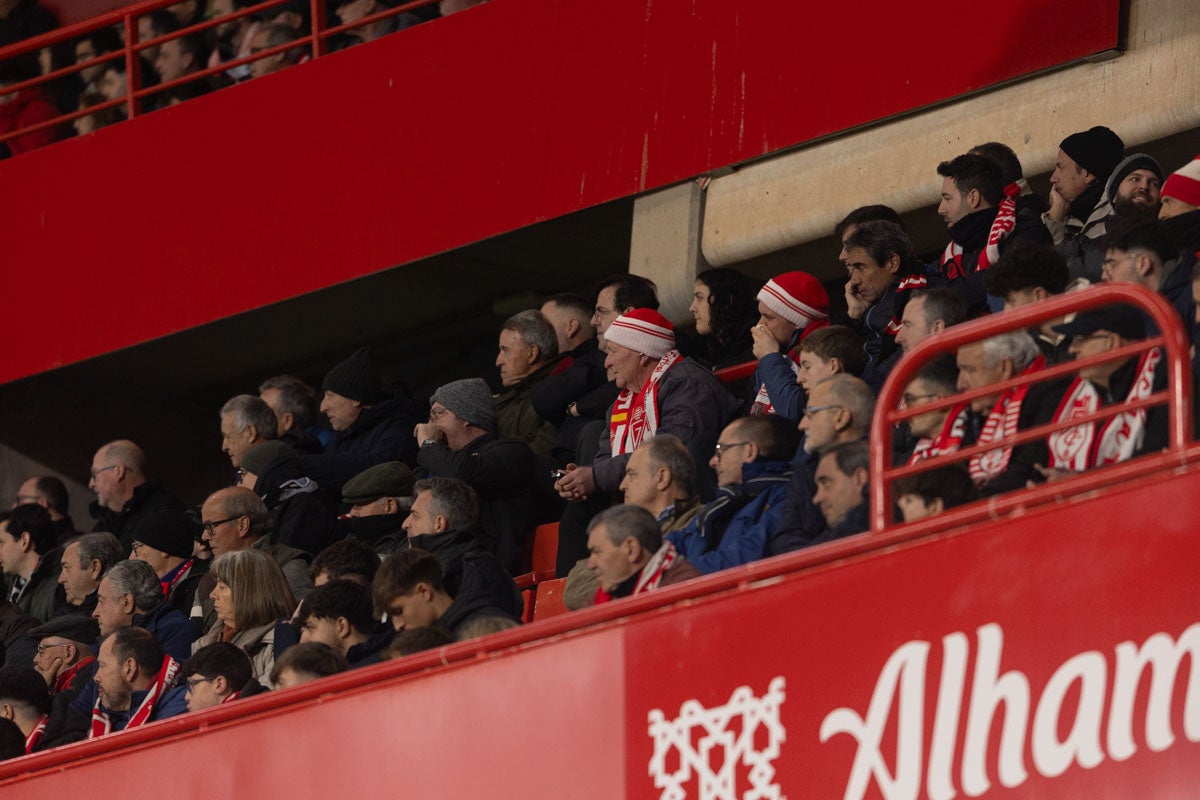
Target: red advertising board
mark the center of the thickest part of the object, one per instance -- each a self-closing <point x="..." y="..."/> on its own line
<point x="458" y="130"/>
<point x="1055" y="654"/>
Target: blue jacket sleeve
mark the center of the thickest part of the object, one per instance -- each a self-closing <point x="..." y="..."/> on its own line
<point x="173" y="703"/>
<point x="775" y="370"/>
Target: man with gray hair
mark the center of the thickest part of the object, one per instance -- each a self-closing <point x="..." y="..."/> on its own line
<point x="246" y="422"/>
<point x="85" y="559"/>
<point x="130" y="595"/>
<point x="460" y="441"/>
<point x="996" y="416"/>
<point x="124" y="492"/>
<point x="443" y="520"/>
<point x="839" y="410"/>
<point x="628" y="555"/>
<point x="527" y="353"/>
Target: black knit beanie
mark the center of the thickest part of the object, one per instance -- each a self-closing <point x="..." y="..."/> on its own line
<point x="1098" y="150"/>
<point x="168" y="531"/>
<point x="355" y="378"/>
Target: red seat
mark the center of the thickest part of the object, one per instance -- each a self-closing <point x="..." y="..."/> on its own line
<point x="549" y="602"/>
<point x="543" y="553"/>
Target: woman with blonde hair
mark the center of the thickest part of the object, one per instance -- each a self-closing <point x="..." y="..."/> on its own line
<point x="250" y="597"/>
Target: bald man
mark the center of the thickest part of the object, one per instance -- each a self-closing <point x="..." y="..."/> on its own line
<point x="124" y="493"/>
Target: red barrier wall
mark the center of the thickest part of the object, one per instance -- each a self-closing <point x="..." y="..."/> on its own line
<point x="72" y="11"/>
<point x="461" y="129"/>
<point x="1053" y="597"/>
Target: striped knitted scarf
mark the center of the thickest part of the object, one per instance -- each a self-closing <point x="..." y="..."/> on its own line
<point x="164" y="680"/>
<point x="1001" y="424"/>
<point x="634" y="416"/>
<point x="1086" y="446"/>
<point x="1003" y="225"/>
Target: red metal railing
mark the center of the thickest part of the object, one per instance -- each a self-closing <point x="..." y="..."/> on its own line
<point x="1177" y="398"/>
<point x="315" y="40"/>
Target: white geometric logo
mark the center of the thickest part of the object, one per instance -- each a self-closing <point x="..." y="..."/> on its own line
<point x="710" y="728"/>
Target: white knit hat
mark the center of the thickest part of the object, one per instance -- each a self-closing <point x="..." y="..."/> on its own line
<point x="797" y="297"/>
<point x="644" y="330"/>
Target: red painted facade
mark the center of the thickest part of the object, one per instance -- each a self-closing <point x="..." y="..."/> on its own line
<point x="461" y="129"/>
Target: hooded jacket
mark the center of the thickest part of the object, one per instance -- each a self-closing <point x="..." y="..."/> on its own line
<point x="480" y="587"/>
<point x="302" y="514"/>
<point x="736" y="527"/>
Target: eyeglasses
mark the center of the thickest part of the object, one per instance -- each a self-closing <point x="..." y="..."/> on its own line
<point x="1111" y="263"/>
<point x="212" y="526"/>
<point x="601" y="311"/>
<point x="136" y="546"/>
<point x="722" y="447"/>
<point x="96" y="472"/>
<point x="810" y="410"/>
<point x="913" y="399"/>
<point x="42" y="648"/>
<point x="436" y="413"/>
<point x="192" y="683"/>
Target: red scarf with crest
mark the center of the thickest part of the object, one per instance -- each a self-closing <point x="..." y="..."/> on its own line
<point x="1001" y="424"/>
<point x="634" y="415"/>
<point x="164" y="680"/>
<point x="1086" y="446"/>
<point x="67" y="675"/>
<point x="1002" y="226"/>
<point x="948" y="441"/>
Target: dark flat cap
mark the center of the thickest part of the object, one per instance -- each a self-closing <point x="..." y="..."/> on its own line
<point x="75" y="627"/>
<point x="393" y="479"/>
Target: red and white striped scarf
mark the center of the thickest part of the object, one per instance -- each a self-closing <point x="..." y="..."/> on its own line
<point x="949" y="440"/>
<point x="37" y="734"/>
<point x="907" y="284"/>
<point x="67" y="675"/>
<point x="656" y="568"/>
<point x="1083" y="447"/>
<point x="1002" y="226"/>
<point x="650" y="576"/>
<point x="635" y="415"/>
<point x="1001" y="424"/>
<point x="164" y="680"/>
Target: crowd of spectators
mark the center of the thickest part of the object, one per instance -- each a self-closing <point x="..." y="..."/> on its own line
<point x="399" y="526"/>
<point x="170" y="63"/>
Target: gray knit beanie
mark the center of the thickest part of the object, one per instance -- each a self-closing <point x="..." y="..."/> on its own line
<point x="469" y="399"/>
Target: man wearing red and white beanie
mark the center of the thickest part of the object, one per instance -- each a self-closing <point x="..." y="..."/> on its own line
<point x="790" y="306"/>
<point x="661" y="392"/>
<point x="1180" y="210"/>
